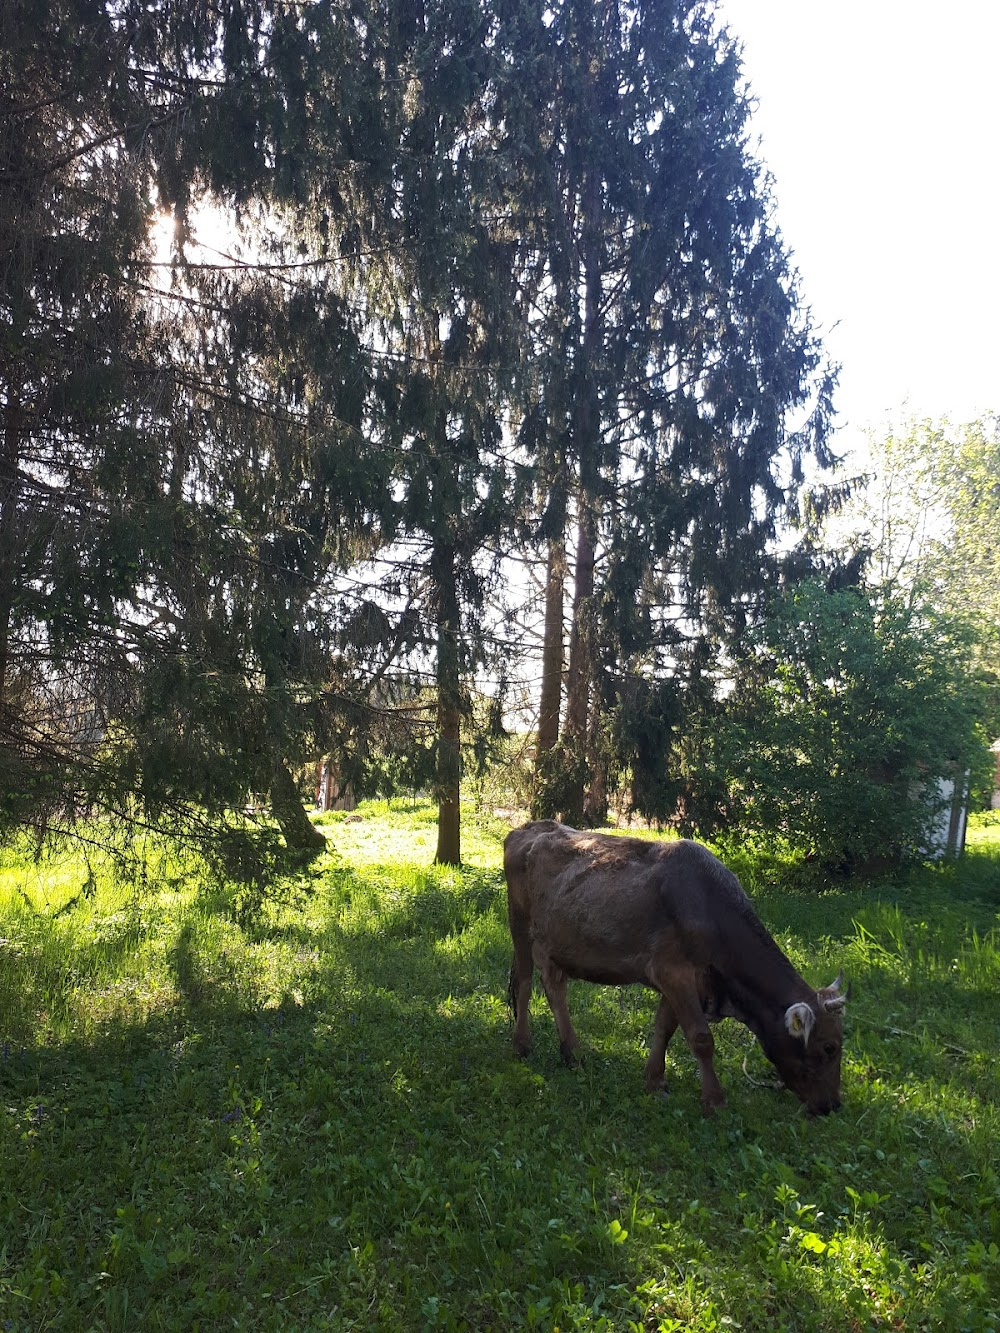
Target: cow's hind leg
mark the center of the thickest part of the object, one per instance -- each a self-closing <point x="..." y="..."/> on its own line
<point x="521" y="972"/>
<point x="554" y="981"/>
<point x="663" y="1029"/>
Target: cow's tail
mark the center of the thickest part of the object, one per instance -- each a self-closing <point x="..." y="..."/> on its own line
<point x="512" y="984"/>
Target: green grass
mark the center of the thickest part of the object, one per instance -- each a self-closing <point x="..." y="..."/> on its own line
<point x="314" y="1120"/>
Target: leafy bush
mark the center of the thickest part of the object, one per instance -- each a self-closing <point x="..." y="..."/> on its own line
<point x="848" y="706"/>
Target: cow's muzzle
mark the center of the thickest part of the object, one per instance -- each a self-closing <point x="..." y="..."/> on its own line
<point x="825" y="1108"/>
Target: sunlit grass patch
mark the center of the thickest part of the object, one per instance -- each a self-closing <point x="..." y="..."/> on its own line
<point x="403" y="831"/>
<point x="311" y="1116"/>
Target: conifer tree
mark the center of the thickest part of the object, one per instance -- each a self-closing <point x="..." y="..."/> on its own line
<point x="682" y="382"/>
<point x="433" y="275"/>
<point x="79" y="384"/>
<point x="182" y="462"/>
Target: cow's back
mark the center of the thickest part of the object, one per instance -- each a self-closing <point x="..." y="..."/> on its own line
<point x="604" y="905"/>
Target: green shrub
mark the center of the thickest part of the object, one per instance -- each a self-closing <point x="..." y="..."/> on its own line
<point x="848" y="706"/>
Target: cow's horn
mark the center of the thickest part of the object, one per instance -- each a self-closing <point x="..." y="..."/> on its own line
<point x="799" y="1020"/>
<point x="831" y="996"/>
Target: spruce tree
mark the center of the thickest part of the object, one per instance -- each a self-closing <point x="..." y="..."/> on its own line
<point x="682" y="381"/>
<point x="183" y="462"/>
<point x="79" y="385"/>
<point x="433" y="276"/>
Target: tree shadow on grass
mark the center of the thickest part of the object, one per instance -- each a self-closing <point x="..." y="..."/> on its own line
<point x="370" y="1138"/>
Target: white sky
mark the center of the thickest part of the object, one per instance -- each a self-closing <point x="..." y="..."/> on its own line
<point x="880" y="122"/>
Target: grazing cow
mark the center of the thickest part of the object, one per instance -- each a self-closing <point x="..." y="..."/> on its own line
<point x="670" y="915"/>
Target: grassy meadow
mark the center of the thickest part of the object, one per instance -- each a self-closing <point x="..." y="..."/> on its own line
<point x="311" y="1117"/>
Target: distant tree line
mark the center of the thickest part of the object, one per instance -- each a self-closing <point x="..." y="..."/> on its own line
<point x="505" y="363"/>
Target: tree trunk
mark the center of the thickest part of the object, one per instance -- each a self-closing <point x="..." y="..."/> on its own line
<point x="9" y="488"/>
<point x="595" y="805"/>
<point x="580" y="673"/>
<point x="550" y="701"/>
<point x="299" y="832"/>
<point x="587" y="445"/>
<point x="449" y="709"/>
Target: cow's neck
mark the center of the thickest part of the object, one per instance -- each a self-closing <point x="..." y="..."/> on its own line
<point x="762" y="982"/>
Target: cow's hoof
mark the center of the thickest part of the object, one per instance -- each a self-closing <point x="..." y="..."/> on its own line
<point x="569" y="1055"/>
<point x="522" y="1049"/>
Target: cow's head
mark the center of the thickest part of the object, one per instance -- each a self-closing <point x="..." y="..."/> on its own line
<point x="807" y="1046"/>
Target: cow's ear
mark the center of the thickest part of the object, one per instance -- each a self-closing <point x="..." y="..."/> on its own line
<point x="799" y="1020"/>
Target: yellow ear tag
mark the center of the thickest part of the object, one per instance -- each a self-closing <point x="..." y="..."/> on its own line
<point x="799" y="1021"/>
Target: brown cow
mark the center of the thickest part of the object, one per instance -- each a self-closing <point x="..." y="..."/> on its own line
<point x="670" y="915"/>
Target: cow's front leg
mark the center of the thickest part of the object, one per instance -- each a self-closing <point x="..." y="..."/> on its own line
<point x="554" y="982"/>
<point x="687" y="1006"/>
<point x="663" y="1029"/>
<point x="702" y="1042"/>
